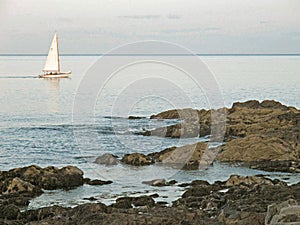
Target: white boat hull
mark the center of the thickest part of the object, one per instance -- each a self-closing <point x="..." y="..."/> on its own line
<point x="57" y="75"/>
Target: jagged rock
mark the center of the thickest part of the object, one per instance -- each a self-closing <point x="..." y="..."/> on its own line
<point x="137" y="159"/>
<point x="107" y="159"/>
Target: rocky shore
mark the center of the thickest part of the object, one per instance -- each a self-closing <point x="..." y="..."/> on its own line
<point x="262" y="135"/>
<point x="240" y="200"/>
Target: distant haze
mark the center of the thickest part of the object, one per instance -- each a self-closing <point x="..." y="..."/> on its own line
<point x="204" y="26"/>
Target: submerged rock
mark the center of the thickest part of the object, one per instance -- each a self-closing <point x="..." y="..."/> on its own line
<point x="159" y="182"/>
<point x="135" y="117"/>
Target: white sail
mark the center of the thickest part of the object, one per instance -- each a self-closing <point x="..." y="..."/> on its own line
<point x="52" y="62"/>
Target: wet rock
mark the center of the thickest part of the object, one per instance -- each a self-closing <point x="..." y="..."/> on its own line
<point x="137" y="159"/>
<point x="90" y="199"/>
<point x="159" y="182"/>
<point x="96" y="182"/>
<point x="107" y="159"/>
<point x="135" y="117"/>
<point x="65" y="178"/>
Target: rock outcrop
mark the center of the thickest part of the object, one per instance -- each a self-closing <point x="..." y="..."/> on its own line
<point x="18" y="186"/>
<point x="262" y="135"/>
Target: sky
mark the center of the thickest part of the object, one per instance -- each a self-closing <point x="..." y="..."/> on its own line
<point x="203" y="26"/>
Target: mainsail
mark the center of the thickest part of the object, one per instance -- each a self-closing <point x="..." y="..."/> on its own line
<point x="52" y="62"/>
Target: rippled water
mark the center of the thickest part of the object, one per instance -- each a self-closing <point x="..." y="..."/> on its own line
<point x="36" y="125"/>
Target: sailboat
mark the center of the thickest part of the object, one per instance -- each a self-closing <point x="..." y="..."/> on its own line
<point x="52" y="65"/>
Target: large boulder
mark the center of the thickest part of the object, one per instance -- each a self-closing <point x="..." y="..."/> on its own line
<point x="186" y="157"/>
<point x="107" y="159"/>
<point x="137" y="159"/>
<point x="47" y="178"/>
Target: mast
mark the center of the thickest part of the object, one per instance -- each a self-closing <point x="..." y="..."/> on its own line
<point x="57" y="53"/>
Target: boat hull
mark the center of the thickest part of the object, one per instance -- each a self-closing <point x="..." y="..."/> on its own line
<point x="58" y="75"/>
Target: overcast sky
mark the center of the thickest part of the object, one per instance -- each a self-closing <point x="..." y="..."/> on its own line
<point x="204" y="26"/>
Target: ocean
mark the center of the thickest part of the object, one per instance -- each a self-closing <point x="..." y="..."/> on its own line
<point x="41" y="124"/>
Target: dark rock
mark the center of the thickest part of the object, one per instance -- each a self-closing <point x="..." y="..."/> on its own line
<point x="47" y="178"/>
<point x="97" y="182"/>
<point x="284" y="212"/>
<point x="137" y="159"/>
<point x="135" y="117"/>
<point x="9" y="212"/>
<point x="90" y="199"/>
<point x="128" y="202"/>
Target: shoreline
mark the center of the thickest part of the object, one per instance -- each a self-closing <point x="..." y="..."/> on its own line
<point x="237" y="200"/>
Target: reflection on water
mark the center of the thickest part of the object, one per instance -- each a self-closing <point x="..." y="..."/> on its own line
<point x="52" y="85"/>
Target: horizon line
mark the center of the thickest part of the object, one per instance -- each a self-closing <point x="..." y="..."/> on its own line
<point x="197" y="54"/>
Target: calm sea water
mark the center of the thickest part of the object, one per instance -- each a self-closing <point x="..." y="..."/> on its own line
<point x="37" y="123"/>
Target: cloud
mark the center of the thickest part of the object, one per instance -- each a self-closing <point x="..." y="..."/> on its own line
<point x="191" y="30"/>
